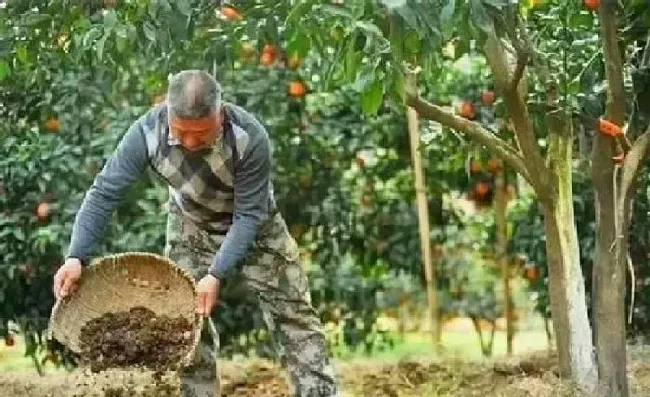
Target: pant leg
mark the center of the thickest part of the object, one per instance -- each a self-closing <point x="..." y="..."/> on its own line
<point x="192" y="250"/>
<point x="273" y="271"/>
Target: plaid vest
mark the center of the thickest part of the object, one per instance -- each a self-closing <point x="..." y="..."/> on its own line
<point x="201" y="184"/>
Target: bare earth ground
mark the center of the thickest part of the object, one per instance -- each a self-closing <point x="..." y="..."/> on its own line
<point x="532" y="375"/>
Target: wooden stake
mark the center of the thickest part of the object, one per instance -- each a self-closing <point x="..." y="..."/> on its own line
<point x="501" y="203"/>
<point x="423" y="217"/>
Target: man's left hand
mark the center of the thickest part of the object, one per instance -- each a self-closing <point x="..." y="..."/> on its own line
<point x="208" y="295"/>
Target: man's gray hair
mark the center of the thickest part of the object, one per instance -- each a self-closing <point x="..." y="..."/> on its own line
<point x="193" y="94"/>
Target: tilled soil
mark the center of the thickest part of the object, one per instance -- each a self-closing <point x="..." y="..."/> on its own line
<point x="135" y="338"/>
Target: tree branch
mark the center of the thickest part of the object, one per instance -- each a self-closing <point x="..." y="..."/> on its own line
<point x="631" y="164"/>
<point x="518" y="110"/>
<point x="473" y="130"/>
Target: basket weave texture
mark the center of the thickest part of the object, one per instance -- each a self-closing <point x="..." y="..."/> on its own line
<point x="116" y="283"/>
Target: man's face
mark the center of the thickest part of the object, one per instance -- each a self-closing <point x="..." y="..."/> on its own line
<point x="198" y="134"/>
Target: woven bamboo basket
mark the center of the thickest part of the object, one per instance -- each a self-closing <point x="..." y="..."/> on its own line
<point x="119" y="282"/>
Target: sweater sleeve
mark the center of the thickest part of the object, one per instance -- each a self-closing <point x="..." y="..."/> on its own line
<point x="125" y="166"/>
<point x="251" y="185"/>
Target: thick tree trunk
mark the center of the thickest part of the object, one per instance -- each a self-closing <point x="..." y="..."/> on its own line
<point x="567" y="294"/>
<point x="567" y="290"/>
<point x="611" y="243"/>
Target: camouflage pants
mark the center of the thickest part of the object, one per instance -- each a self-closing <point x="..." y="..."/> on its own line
<point x="272" y="271"/>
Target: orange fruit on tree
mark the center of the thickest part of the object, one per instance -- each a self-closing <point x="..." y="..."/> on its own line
<point x="42" y="210"/>
<point x="494" y="164"/>
<point x="296" y="88"/>
<point x="230" y="13"/>
<point x="267" y="58"/>
<point x="531" y="272"/>
<point x="270" y="48"/>
<point x="481" y="189"/>
<point x="52" y="124"/>
<point x="488" y="97"/>
<point x="466" y="110"/>
<point x="591" y="5"/>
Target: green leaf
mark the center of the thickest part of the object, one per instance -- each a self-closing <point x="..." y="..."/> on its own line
<point x="409" y="16"/>
<point x="184" y="7"/>
<point x="351" y="61"/>
<point x="448" y="12"/>
<point x="498" y="4"/>
<point x="390" y="4"/>
<point x="149" y="31"/>
<point x="480" y="16"/>
<point x="365" y="77"/>
<point x="370" y="28"/>
<point x="110" y="19"/>
<point x="100" y="46"/>
<point x="299" y="45"/>
<point x="121" y="44"/>
<point x="4" y="70"/>
<point x="122" y="32"/>
<point x="336" y="11"/>
<point x="371" y="98"/>
<point x="21" y="53"/>
<point x="398" y="84"/>
<point x="34" y="19"/>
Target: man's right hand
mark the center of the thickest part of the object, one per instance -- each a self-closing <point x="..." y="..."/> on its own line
<point x="65" y="279"/>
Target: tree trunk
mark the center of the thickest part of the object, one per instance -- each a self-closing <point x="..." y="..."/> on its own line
<point x="611" y="243"/>
<point x="566" y="282"/>
<point x="609" y="280"/>
<point x="502" y="252"/>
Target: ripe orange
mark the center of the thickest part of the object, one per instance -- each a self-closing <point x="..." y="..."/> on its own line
<point x="481" y="189"/>
<point x="591" y="5"/>
<point x="494" y="164"/>
<point x="230" y="13"/>
<point x="270" y="48"/>
<point x="466" y="110"/>
<point x="52" y="124"/>
<point x="531" y="272"/>
<point x="296" y="88"/>
<point x="488" y="98"/>
<point x="42" y="210"/>
<point x="267" y="58"/>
